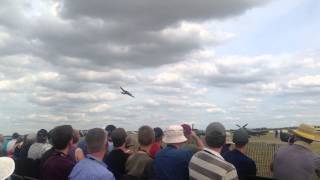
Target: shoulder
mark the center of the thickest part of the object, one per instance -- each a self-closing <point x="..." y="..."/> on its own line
<point x="204" y="157"/>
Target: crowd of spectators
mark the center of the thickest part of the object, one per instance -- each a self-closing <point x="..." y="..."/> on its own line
<point x="175" y="153"/>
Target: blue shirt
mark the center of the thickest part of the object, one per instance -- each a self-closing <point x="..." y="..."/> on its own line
<point x="172" y="164"/>
<point x="244" y="165"/>
<point x="91" y="168"/>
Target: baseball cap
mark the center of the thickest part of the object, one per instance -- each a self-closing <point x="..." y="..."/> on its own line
<point x="240" y="137"/>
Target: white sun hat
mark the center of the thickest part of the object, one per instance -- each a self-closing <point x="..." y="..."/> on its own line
<point x="6" y="167"/>
<point x="174" y="134"/>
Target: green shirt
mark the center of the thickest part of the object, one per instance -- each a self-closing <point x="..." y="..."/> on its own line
<point x="139" y="165"/>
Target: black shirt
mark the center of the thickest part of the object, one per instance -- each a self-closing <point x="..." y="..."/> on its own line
<point x="244" y="165"/>
<point x="116" y="161"/>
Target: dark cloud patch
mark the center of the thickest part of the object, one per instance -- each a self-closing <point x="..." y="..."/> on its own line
<point x="155" y="14"/>
<point x="123" y="34"/>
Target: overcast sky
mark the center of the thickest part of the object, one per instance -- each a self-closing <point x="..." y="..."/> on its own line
<point x="186" y="61"/>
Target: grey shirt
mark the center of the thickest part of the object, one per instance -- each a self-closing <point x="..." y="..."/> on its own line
<point x="296" y="162"/>
<point x="37" y="150"/>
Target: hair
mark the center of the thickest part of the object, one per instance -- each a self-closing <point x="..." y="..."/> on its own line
<point x="145" y="135"/>
<point x="118" y="137"/>
<point x="240" y="145"/>
<point x="158" y="134"/>
<point x="61" y="136"/>
<point x="75" y="136"/>
<point x="42" y="136"/>
<point x="15" y="135"/>
<point x="215" y="139"/>
<point x="96" y="139"/>
<point x="110" y="128"/>
<point x="21" y="139"/>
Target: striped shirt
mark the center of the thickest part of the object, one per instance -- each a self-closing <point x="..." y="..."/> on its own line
<point x="208" y="164"/>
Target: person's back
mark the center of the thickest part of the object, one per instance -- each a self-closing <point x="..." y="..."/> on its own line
<point x="245" y="166"/>
<point x="56" y="163"/>
<point x="41" y="146"/>
<point x="172" y="163"/>
<point x="208" y="163"/>
<point x="295" y="162"/>
<point x="156" y="147"/>
<point x="212" y="165"/>
<point x="139" y="164"/>
<point x="92" y="167"/>
<point x="57" y="166"/>
<point x="117" y="158"/>
<point x="91" y="171"/>
<point x="38" y="149"/>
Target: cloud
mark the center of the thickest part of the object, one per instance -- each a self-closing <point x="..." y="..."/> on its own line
<point x="91" y="35"/>
<point x="62" y="62"/>
<point x="100" y="108"/>
<point x="305" y="81"/>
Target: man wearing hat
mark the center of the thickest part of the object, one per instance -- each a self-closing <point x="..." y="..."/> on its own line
<point x="208" y="163"/>
<point x="245" y="166"/>
<point x="297" y="161"/>
<point x="171" y="163"/>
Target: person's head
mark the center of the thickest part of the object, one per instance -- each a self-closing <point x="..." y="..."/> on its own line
<point x="146" y="136"/>
<point x="30" y="138"/>
<point x="215" y="135"/>
<point x="240" y="138"/>
<point x="174" y="135"/>
<point x="158" y="133"/>
<point x="15" y="135"/>
<point x="61" y="137"/>
<point x="306" y="133"/>
<point x="109" y="128"/>
<point x="186" y="130"/>
<point x="118" y="137"/>
<point x="75" y="136"/>
<point x="42" y="136"/>
<point x="20" y="139"/>
<point x="96" y="139"/>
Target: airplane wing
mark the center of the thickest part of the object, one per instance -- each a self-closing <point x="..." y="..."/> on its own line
<point x="122" y="89"/>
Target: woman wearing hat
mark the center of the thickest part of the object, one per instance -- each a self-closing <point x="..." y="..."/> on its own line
<point x="297" y="161"/>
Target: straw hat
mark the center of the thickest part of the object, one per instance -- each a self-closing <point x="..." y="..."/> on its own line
<point x="307" y="131"/>
<point x="174" y="134"/>
<point x="6" y="167"/>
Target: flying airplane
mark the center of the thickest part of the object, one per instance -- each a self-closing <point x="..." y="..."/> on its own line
<point x="254" y="132"/>
<point x="124" y="92"/>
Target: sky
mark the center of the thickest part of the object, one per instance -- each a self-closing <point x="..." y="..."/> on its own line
<point x="186" y="61"/>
